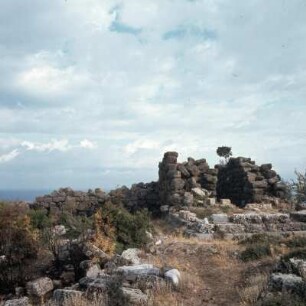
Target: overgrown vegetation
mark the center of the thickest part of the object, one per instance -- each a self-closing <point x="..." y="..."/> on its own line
<point x="18" y="244"/>
<point x="126" y="229"/>
<point x="297" y="188"/>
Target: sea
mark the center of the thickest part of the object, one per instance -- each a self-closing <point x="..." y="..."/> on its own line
<point x="22" y="195"/>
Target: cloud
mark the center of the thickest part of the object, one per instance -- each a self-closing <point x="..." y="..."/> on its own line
<point x="9" y="156"/>
<point x="132" y="79"/>
<point x="87" y="144"/>
<point x="61" y="145"/>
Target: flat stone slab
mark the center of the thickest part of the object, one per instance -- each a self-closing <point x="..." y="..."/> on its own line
<point x="280" y="281"/>
<point x="298" y="215"/>
<point x="219" y="218"/>
<point x="132" y="272"/>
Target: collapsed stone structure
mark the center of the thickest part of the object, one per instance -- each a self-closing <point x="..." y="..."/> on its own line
<point x="242" y="181"/>
<point x="179" y="184"/>
<point x="177" y="180"/>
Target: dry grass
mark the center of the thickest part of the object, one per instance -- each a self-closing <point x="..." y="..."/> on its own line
<point x="253" y="289"/>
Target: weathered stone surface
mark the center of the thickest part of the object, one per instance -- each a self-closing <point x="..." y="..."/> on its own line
<point x="62" y="295"/>
<point x="243" y="182"/>
<point x="173" y="276"/>
<point x="200" y="193"/>
<point x="188" y="199"/>
<point x="131" y="255"/>
<point x="225" y="202"/>
<point x="135" y="296"/>
<point x="132" y="272"/>
<point x="299" y="215"/>
<point x="187" y="215"/>
<point x="39" y="287"/>
<point x="219" y="218"/>
<point x="18" y="302"/>
<point x="280" y="281"/>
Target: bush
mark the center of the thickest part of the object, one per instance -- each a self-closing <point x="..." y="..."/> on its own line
<point x="130" y="229"/>
<point x="18" y="243"/>
<point x="39" y="218"/>
<point x="297" y="242"/>
<point x="255" y="252"/>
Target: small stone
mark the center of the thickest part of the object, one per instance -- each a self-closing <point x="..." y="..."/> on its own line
<point x="174" y="276"/>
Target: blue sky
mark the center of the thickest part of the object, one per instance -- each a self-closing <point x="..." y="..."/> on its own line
<point x="92" y="93"/>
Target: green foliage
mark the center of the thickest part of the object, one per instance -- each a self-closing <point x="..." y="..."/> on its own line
<point x="39" y="219"/>
<point x="75" y="225"/>
<point x="225" y="152"/>
<point x="18" y="244"/>
<point x="130" y="229"/>
<point x="255" y="252"/>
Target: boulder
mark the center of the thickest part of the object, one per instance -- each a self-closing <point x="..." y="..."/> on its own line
<point x="131" y="255"/>
<point x="199" y="193"/>
<point x="280" y="281"/>
<point x="62" y="296"/>
<point x="18" y="302"/>
<point x="173" y="276"/>
<point x="39" y="287"/>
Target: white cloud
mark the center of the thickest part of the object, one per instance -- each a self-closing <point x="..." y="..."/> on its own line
<point x="87" y="144"/>
<point x="54" y="145"/>
<point x="9" y="156"/>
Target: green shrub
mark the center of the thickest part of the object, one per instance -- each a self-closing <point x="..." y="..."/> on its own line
<point x="130" y="229"/>
<point x="255" y="252"/>
<point x="39" y="218"/>
<point x="297" y="242"/>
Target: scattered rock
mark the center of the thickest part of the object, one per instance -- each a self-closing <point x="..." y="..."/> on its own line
<point x="18" y="302"/>
<point x="174" y="276"/>
<point x="39" y="287"/>
<point x="131" y="255"/>
<point x="280" y="281"/>
<point x="62" y="295"/>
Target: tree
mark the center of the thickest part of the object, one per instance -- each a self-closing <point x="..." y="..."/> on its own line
<point x="224" y="152"/>
<point x="298" y="188"/>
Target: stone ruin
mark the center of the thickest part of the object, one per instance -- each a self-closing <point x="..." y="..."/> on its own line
<point x="178" y="180"/>
<point x="242" y="181"/>
<point x="188" y="183"/>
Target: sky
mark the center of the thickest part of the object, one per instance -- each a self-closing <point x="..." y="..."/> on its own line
<point x="93" y="92"/>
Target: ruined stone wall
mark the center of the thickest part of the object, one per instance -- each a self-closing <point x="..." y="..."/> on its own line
<point x="176" y="180"/>
<point x="242" y="181"/>
<point x="139" y="196"/>
<point x="76" y="202"/>
<point x="179" y="184"/>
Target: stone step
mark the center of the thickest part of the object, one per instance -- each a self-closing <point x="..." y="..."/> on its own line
<point x="234" y="228"/>
<point x="257" y="218"/>
<point x="298" y="215"/>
